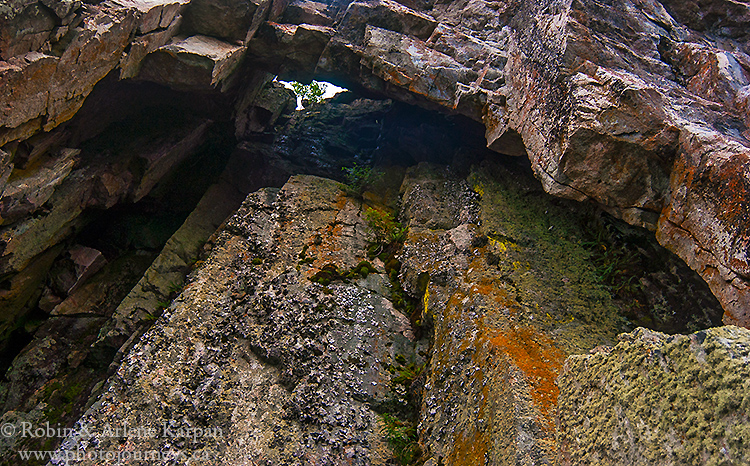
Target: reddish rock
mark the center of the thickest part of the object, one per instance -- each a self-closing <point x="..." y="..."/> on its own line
<point x="229" y="20"/>
<point x="192" y="63"/>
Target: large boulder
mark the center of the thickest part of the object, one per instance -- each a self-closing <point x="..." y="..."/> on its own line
<point x="192" y="63"/>
<point x="656" y="399"/>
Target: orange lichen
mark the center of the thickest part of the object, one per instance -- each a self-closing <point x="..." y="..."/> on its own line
<point x="537" y="356"/>
<point x="470" y="448"/>
<point x="489" y="288"/>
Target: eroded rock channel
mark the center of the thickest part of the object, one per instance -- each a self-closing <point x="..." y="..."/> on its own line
<point x="458" y="262"/>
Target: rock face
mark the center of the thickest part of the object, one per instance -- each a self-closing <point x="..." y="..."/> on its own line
<point x="637" y="107"/>
<point x="650" y="123"/>
<point x="284" y="369"/>
<point x="283" y="344"/>
<point x="658" y="399"/>
<point x="646" y="123"/>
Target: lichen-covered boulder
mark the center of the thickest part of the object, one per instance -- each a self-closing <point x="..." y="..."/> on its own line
<point x="657" y="399"/>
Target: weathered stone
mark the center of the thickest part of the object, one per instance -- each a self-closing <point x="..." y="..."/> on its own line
<point x="152" y="14"/>
<point x="62" y="8"/>
<point x="225" y="19"/>
<point x="172" y="152"/>
<point x="94" y="51"/>
<point x="169" y="269"/>
<point x="126" y="174"/>
<point x="33" y="368"/>
<point x="707" y="72"/>
<point x="705" y="223"/>
<point x="307" y="12"/>
<point x="21" y="132"/>
<point x="38" y="84"/>
<point x="192" y="63"/>
<point x="409" y="63"/>
<point x="100" y="294"/>
<point x="87" y="261"/>
<point x="6" y="167"/>
<point x="656" y="399"/>
<point x="21" y="291"/>
<point x="318" y="359"/>
<point x="499" y="336"/>
<point x="24" y="26"/>
<point x="620" y="113"/>
<point x="131" y="61"/>
<point x="31" y="188"/>
<point x="267" y="106"/>
<point x="384" y="14"/>
<point x="288" y="49"/>
<point x="26" y="82"/>
<point x="31" y="236"/>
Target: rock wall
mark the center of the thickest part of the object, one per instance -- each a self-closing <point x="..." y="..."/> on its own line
<point x="639" y="106"/>
<point x="658" y="399"/>
<point x="287" y="369"/>
<point x="456" y="332"/>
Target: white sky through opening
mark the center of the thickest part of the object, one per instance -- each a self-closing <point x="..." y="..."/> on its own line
<point x="330" y="91"/>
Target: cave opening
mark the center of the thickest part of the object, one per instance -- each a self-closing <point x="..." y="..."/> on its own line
<point x="180" y="153"/>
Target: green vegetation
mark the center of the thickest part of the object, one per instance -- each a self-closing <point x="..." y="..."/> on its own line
<point x="312" y="92"/>
<point x="406" y="374"/>
<point x="303" y="259"/>
<point x="331" y="272"/>
<point x="399" y="427"/>
<point x="387" y="230"/>
<point x="402" y="438"/>
<point x="389" y="238"/>
<point x="360" y="177"/>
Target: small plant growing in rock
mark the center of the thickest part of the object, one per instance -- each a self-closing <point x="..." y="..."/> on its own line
<point x="360" y="177"/>
<point x="406" y="374"/>
<point x="402" y="437"/>
<point x="387" y="230"/>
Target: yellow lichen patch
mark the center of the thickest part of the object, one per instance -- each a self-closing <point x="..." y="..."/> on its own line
<point x="537" y="356"/>
<point x="479" y="189"/>
<point x="500" y="245"/>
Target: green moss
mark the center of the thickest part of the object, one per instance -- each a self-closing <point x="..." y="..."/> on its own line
<point x="535" y="243"/>
<point x="679" y="409"/>
<point x="402" y="438"/>
<point x="331" y="272"/>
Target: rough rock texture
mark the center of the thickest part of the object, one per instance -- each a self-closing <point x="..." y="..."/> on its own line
<point x="196" y="62"/>
<point x="284" y="381"/>
<point x="640" y="106"/>
<point x="485" y="266"/>
<point x="658" y="399"/>
<point x="79" y="321"/>
<point x="59" y="195"/>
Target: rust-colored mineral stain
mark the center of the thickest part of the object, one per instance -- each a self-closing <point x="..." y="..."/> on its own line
<point x="539" y="359"/>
